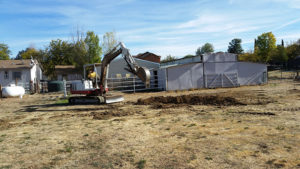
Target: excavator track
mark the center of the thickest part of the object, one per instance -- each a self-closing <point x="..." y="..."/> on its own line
<point x="86" y="100"/>
<point x="95" y="99"/>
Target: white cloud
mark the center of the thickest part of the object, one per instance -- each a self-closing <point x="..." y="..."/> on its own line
<point x="166" y="27"/>
<point x="202" y="20"/>
<point x="288" y="23"/>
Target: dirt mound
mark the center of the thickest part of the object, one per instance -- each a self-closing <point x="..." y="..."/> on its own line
<point x="108" y="114"/>
<point x="190" y="99"/>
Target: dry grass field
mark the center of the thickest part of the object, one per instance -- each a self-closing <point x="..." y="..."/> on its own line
<point x="245" y="127"/>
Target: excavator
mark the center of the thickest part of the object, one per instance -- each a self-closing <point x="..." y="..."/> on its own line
<point x="99" y="93"/>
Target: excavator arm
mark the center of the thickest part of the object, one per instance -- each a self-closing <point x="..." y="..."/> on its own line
<point x="142" y="72"/>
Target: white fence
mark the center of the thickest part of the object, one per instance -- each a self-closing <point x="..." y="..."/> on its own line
<point x="132" y="84"/>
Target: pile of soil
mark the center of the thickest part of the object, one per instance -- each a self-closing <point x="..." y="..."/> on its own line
<point x="190" y="99"/>
<point x="108" y="114"/>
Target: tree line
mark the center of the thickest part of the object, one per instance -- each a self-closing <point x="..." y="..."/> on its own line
<point x="84" y="48"/>
<point x="265" y="50"/>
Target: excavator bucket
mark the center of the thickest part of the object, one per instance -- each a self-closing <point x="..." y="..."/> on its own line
<point x="113" y="99"/>
<point x="144" y="74"/>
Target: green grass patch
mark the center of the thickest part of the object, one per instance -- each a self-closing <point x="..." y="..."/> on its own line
<point x="141" y="164"/>
<point x="280" y="128"/>
<point x="191" y="125"/>
<point x="5" y="167"/>
<point x="62" y="101"/>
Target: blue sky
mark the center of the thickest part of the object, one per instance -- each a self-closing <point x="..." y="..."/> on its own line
<point x="176" y="27"/>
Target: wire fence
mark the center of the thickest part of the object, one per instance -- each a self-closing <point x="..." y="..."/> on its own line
<point x="123" y="84"/>
<point x="133" y="84"/>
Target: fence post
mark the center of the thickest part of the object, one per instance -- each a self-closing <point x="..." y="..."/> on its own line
<point x="222" y="80"/>
<point x="134" y="84"/>
<point x="31" y="86"/>
<point x="37" y="86"/>
<point x="65" y="88"/>
<point x="205" y="81"/>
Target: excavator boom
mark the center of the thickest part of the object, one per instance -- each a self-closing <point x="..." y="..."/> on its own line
<point x="142" y="72"/>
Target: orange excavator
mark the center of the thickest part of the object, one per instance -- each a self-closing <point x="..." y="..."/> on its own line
<point x="99" y="93"/>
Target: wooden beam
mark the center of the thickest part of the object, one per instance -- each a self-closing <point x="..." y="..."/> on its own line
<point x="0" y="91"/>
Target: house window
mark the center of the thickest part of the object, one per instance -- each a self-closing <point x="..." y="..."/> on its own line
<point x="6" y="75"/>
<point x="17" y="75"/>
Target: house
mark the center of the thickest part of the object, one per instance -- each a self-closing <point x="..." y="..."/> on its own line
<point x="216" y="70"/>
<point x="67" y="72"/>
<point x="20" y="72"/>
<point x="149" y="57"/>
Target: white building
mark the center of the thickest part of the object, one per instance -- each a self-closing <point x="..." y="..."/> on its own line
<point x="216" y="70"/>
<point x="67" y="72"/>
<point x="22" y="72"/>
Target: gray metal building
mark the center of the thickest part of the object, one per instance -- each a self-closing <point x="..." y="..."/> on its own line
<point x="216" y="70"/>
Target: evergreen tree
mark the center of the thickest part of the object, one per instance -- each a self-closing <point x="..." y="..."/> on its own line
<point x="235" y="46"/>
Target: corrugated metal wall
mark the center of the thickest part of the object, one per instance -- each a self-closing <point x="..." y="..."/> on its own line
<point x="212" y="75"/>
<point x="252" y="73"/>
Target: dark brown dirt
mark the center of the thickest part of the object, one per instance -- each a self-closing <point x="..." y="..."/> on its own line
<point x="191" y="100"/>
<point x="113" y="113"/>
<point x="33" y="121"/>
<point x="257" y="113"/>
<point x="69" y="115"/>
<point x="5" y="124"/>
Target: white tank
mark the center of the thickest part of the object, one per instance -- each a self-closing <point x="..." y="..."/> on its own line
<point x="13" y="91"/>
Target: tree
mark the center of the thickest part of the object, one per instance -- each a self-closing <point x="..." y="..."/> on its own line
<point x="264" y="45"/>
<point x="58" y="52"/>
<point x="4" y="52"/>
<point x="235" y="46"/>
<point x="80" y="54"/>
<point x="168" y="59"/>
<point x="94" y="50"/>
<point x="28" y="53"/>
<point x="206" y="48"/>
<point x="279" y="56"/>
<point x="83" y="49"/>
<point x="249" y="56"/>
<point x="189" y="56"/>
<point x="293" y="50"/>
<point x="109" y="41"/>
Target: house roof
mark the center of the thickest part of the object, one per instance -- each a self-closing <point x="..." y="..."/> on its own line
<point x="17" y="64"/>
<point x="66" y="69"/>
<point x="142" y="55"/>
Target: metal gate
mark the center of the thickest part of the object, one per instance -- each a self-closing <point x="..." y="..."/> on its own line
<point x="221" y="80"/>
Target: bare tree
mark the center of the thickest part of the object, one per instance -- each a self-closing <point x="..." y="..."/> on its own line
<point x="109" y="41"/>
